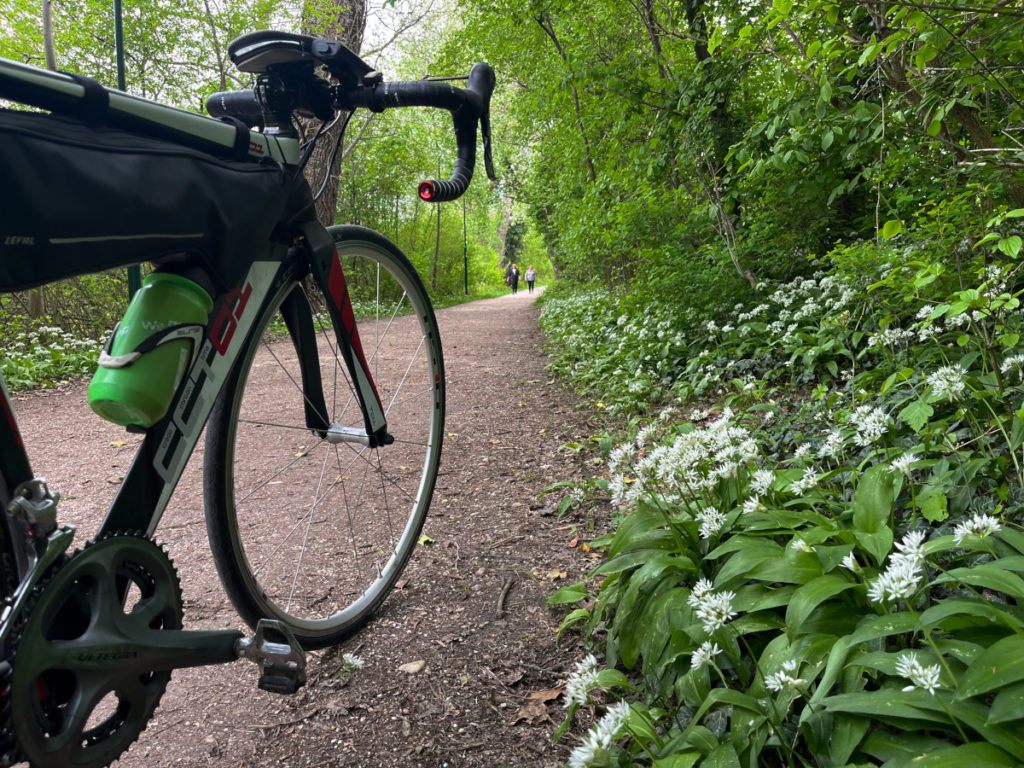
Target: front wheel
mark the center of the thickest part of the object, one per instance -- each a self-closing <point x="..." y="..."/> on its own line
<point x="305" y="528"/>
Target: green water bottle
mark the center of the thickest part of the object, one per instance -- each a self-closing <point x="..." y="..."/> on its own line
<point x="150" y="350"/>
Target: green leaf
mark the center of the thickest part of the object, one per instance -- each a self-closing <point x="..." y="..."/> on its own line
<point x="570" y="594"/>
<point x="889" y="705"/>
<point x="809" y="596"/>
<point x="1001" y="664"/>
<point x="899" y="748"/>
<point x="916" y="414"/>
<point x="847" y="732"/>
<point x="976" y="755"/>
<point x="983" y="610"/>
<point x="611" y="678"/>
<point x="733" y="698"/>
<point x="872" y="508"/>
<point x="1008" y="705"/>
<point x="873" y="499"/>
<point x="892" y="228"/>
<point x="933" y="504"/>
<point x="723" y="757"/>
<point x="1010" y="245"/>
<point x="678" y="760"/>
<point x="573" y="618"/>
<point x="878" y="627"/>
<point x="987" y="576"/>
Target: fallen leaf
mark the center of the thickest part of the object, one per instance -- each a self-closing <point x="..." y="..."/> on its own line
<point x="535" y="710"/>
<point x="425" y="540"/>
<point x="575" y="541"/>
<point x="555" y="574"/>
<point x="116" y="443"/>
<point x="413" y="667"/>
<point x="547" y="695"/>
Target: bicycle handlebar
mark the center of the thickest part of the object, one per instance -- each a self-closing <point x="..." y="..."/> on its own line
<point x="468" y="106"/>
<point x="238" y="104"/>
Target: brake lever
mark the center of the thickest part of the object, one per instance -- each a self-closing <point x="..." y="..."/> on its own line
<point x="485" y="131"/>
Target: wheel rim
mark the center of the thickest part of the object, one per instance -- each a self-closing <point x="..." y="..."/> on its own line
<point x="323" y="529"/>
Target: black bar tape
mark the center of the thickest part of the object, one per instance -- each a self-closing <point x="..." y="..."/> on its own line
<point x="238" y="104"/>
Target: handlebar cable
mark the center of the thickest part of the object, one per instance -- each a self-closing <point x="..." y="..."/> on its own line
<point x="334" y="152"/>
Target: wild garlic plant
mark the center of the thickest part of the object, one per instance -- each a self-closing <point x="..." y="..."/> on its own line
<point x="812" y="581"/>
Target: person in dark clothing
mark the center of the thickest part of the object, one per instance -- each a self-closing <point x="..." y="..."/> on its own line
<point x="513" y="279"/>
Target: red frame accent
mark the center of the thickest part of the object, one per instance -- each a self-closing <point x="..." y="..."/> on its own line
<point x="338" y="289"/>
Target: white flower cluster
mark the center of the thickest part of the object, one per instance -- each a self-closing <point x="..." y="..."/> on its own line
<point x="762" y="480"/>
<point x="1013" y="361"/>
<point x="871" y="424"/>
<point x="900" y="579"/>
<point x="693" y="463"/>
<point x="785" y="677"/>
<point x="713" y="609"/>
<point x="833" y="445"/>
<point x="594" y="749"/>
<point x="889" y="337"/>
<point x="812" y="297"/>
<point x="352" y="661"/>
<point x="919" y="675"/>
<point x="705" y="654"/>
<point x="582" y="680"/>
<point x="979" y="525"/>
<point x="805" y="483"/>
<point x="711" y="522"/>
<point x="902" y="464"/>
<point x="948" y="382"/>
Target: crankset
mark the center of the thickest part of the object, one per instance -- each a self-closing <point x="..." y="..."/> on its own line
<point x="94" y="650"/>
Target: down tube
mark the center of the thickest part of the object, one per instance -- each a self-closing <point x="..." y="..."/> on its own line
<point x="163" y="455"/>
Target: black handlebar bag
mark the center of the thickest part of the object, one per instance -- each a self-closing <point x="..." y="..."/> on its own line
<point x="79" y="197"/>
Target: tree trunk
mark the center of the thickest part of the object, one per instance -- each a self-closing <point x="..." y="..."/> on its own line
<point x="503" y="226"/>
<point x="549" y="29"/>
<point x="36" y="297"/>
<point x="343" y="20"/>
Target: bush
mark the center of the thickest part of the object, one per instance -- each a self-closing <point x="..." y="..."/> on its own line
<point x="825" y="566"/>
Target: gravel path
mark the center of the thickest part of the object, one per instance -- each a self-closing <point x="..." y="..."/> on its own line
<point x="470" y="608"/>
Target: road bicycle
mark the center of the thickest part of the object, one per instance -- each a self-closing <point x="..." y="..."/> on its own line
<point x="323" y="433"/>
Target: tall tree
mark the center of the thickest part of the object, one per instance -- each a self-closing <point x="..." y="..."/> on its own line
<point x="345" y="21"/>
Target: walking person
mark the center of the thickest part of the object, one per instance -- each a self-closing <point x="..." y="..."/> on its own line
<point x="531" y="277"/>
<point x="513" y="278"/>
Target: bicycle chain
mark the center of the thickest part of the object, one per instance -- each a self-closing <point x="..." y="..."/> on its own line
<point x="8" y="748"/>
<point x="10" y="751"/>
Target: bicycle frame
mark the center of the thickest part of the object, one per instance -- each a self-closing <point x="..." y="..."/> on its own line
<point x="150" y="481"/>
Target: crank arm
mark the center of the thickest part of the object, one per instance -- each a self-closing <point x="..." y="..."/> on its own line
<point x="56" y="544"/>
<point x="170" y="649"/>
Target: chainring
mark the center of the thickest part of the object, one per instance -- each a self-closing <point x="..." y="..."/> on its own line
<point x="82" y="681"/>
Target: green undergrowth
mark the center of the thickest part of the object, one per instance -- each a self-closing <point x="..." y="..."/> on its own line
<point x="818" y="555"/>
<point x="37" y="356"/>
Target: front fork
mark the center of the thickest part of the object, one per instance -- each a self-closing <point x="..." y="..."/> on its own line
<point x="328" y="274"/>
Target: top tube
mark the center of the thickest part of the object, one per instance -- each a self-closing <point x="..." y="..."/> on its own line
<point x="67" y="94"/>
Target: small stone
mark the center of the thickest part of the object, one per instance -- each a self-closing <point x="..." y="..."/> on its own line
<point x="413" y="667"/>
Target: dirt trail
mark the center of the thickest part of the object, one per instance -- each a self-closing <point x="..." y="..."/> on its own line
<point x="471" y="606"/>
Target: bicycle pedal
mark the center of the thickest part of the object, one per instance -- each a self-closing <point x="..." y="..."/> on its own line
<point x="275" y="650"/>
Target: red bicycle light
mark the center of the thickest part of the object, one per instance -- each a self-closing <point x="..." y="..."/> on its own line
<point x="427" y="190"/>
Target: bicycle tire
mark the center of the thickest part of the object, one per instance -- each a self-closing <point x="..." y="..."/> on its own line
<point x="270" y="494"/>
